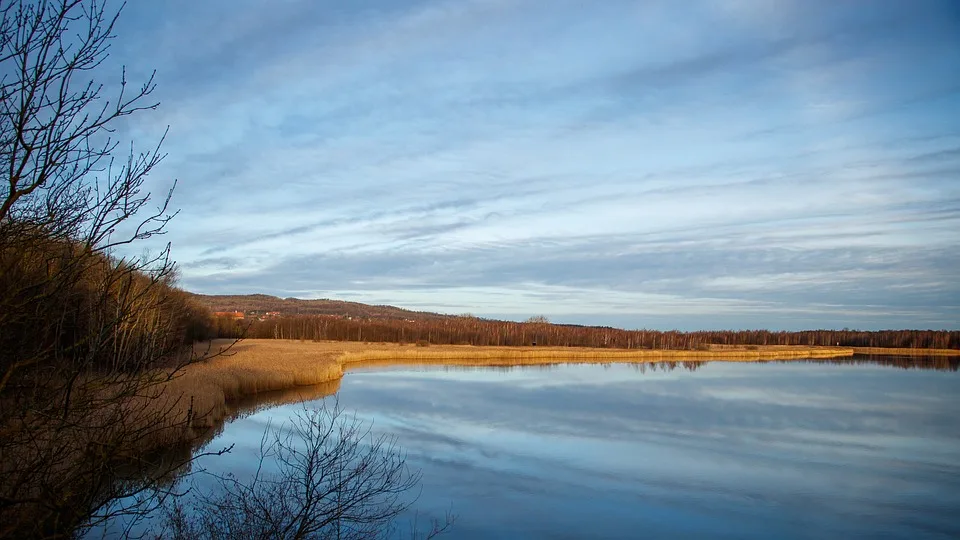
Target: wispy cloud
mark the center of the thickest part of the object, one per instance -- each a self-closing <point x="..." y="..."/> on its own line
<point x="630" y="163"/>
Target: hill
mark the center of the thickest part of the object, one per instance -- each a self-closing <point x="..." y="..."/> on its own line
<point x="271" y="317"/>
<point x="263" y="303"/>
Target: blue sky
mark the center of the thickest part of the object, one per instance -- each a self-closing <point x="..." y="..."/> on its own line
<point x="687" y="165"/>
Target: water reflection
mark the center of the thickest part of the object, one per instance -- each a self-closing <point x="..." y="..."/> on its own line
<point x="677" y="449"/>
<point x="848" y="448"/>
<point x="251" y="405"/>
<point x="937" y="363"/>
<point x="175" y="462"/>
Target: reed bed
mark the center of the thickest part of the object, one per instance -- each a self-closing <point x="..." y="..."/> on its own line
<point x="905" y="351"/>
<point x="498" y="356"/>
<point x="208" y="391"/>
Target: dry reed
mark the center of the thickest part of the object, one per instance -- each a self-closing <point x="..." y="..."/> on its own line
<point x="206" y="390"/>
<point x="905" y="351"/>
<point x="456" y="354"/>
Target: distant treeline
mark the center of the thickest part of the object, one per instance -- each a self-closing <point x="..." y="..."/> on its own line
<point x="476" y="331"/>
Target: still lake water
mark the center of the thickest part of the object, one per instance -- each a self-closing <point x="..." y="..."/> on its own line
<point x="721" y="450"/>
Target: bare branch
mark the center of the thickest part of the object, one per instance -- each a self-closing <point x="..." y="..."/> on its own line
<point x="331" y="478"/>
<point x="87" y="339"/>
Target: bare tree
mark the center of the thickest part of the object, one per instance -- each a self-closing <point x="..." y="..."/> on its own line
<point x="55" y="143"/>
<point x="329" y="477"/>
<point x="86" y="337"/>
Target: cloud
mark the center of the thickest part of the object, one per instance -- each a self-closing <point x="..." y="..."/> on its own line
<point x="635" y="163"/>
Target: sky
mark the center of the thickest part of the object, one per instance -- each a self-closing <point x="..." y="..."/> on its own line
<point x="690" y="165"/>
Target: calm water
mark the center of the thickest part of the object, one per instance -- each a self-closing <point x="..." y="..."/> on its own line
<point x="728" y="450"/>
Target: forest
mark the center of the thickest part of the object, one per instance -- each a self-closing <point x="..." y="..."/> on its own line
<point x="468" y="330"/>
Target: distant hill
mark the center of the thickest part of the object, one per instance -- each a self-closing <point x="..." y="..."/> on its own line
<point x="355" y="322"/>
<point x="262" y="303"/>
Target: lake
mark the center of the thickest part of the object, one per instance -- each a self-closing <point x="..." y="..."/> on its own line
<point x="680" y="450"/>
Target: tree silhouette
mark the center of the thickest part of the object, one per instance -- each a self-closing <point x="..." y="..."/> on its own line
<point x="86" y="337"/>
<point x="330" y="478"/>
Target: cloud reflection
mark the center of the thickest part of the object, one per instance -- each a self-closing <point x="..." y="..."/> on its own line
<point x="747" y="450"/>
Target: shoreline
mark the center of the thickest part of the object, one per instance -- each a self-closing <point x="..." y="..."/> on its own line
<point x="905" y="351"/>
<point x="519" y="356"/>
<point x="217" y="383"/>
<point x="229" y="372"/>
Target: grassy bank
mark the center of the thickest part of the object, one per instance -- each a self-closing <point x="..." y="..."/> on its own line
<point x="906" y="351"/>
<point x="501" y="356"/>
<point x="208" y="389"/>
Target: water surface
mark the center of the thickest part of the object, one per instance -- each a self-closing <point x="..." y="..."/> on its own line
<point x="683" y="450"/>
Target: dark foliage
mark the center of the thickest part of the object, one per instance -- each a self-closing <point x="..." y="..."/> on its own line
<point x="475" y="331"/>
<point x="86" y="337"/>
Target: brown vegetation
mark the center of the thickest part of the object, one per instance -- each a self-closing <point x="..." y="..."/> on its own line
<point x="466" y="354"/>
<point x="99" y="341"/>
<point x="246" y="369"/>
<point x="87" y="336"/>
<point x="466" y="330"/>
<point x="906" y="351"/>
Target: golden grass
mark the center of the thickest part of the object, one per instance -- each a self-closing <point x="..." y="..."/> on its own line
<point x="906" y="351"/>
<point x="500" y="356"/>
<point x="210" y="390"/>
